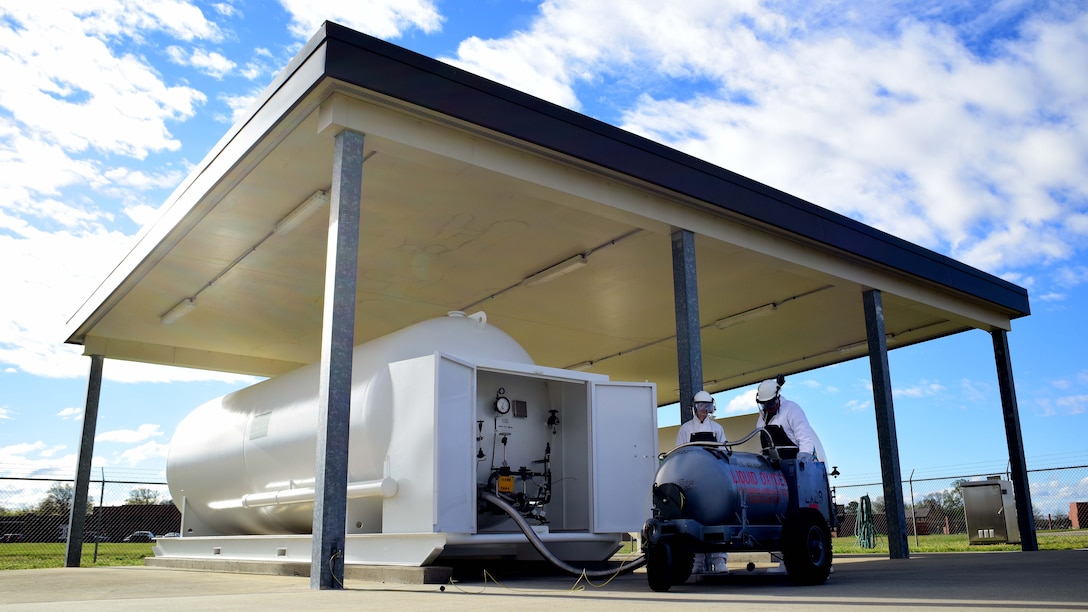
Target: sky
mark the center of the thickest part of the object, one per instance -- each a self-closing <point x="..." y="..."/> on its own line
<point x="958" y="125"/>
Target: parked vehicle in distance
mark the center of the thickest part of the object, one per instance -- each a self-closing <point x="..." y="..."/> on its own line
<point x="172" y="534"/>
<point x="97" y="537"/>
<point x="140" y="536"/>
<point x="12" y="537"/>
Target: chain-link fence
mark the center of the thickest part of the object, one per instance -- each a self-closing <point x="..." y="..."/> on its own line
<point x="936" y="505"/>
<point x="35" y="511"/>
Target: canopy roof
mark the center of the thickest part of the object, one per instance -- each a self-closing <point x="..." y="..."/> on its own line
<point x="470" y="189"/>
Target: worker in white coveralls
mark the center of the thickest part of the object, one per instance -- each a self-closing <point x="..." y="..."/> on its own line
<point x="785" y="422"/>
<point x="702" y="406"/>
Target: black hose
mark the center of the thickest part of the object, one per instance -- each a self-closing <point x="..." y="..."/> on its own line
<point x="538" y="544"/>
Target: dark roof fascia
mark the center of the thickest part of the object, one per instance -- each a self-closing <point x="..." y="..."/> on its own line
<point x="373" y="64"/>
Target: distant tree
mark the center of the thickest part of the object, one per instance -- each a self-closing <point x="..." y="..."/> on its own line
<point x="878" y="505"/>
<point x="852" y="507"/>
<point x="142" y="497"/>
<point x="58" y="499"/>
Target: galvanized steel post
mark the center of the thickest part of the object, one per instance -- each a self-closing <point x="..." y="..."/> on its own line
<point x="689" y="346"/>
<point x="77" y="514"/>
<point x="1025" y="516"/>
<point x="898" y="547"/>
<point x="337" y="343"/>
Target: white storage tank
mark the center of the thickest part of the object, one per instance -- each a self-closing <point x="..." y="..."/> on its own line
<point x="264" y="438"/>
<point x="441" y="412"/>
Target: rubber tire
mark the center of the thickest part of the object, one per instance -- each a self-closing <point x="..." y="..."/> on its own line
<point x="683" y="561"/>
<point x="806" y="548"/>
<point x="659" y="567"/>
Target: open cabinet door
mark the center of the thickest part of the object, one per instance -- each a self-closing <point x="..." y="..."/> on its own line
<point x="431" y="452"/>
<point x="624" y="443"/>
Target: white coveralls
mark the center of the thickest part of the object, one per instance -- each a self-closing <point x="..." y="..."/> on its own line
<point x="791" y="418"/>
<point x="714" y="562"/>
<point x="694" y="426"/>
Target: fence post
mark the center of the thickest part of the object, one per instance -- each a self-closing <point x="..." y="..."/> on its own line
<point x="913" y="516"/>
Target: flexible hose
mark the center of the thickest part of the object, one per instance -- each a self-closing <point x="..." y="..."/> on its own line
<point x="863" y="525"/>
<point x="538" y="544"/>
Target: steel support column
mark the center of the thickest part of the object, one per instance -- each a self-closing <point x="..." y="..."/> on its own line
<point x="77" y="515"/>
<point x="1025" y="517"/>
<point x="337" y="344"/>
<point x="885" y="425"/>
<point x="689" y="346"/>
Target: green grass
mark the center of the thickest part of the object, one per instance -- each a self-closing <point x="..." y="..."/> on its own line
<point x="37" y="555"/>
<point x="1048" y="540"/>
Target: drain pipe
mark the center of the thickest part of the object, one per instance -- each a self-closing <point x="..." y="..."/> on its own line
<point x="538" y="544"/>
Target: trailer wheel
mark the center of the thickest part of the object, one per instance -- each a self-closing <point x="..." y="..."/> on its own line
<point x="683" y="560"/>
<point x="806" y="548"/>
<point x="659" y="567"/>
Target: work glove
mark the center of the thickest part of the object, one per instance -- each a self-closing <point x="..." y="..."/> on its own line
<point x="806" y="457"/>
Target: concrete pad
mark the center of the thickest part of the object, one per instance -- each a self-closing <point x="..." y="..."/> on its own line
<point x="369" y="573"/>
<point x="1045" y="580"/>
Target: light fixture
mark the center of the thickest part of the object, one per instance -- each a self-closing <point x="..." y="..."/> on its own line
<point x="179" y="310"/>
<point x="747" y="315"/>
<point x="303" y="212"/>
<point x="560" y="269"/>
<point x="846" y="348"/>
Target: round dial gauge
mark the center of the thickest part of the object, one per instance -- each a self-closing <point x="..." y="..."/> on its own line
<point x="502" y="405"/>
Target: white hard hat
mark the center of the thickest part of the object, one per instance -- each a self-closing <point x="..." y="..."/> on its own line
<point x="703" y="396"/>
<point x="767" y="391"/>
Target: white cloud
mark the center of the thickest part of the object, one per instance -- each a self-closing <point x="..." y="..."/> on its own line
<point x="1073" y="404"/>
<point x="238" y="105"/>
<point x="974" y="391"/>
<point x="225" y="9"/>
<point x="150" y="450"/>
<point x="27" y="459"/>
<point x="382" y="18"/>
<point x="1065" y="406"/>
<point x="922" y="389"/>
<point x="52" y="451"/>
<point x="858" y="405"/>
<point x="5" y="413"/>
<point x="55" y="238"/>
<point x="211" y="63"/>
<point x="47" y="55"/>
<point x="1071" y="276"/>
<point x="74" y="414"/>
<point x="744" y="403"/>
<point x="905" y="129"/>
<point x="141" y="433"/>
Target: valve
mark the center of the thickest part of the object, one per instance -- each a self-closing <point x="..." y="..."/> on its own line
<point x="553" y="420"/>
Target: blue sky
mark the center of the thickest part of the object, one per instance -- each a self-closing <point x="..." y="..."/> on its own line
<point x="958" y="125"/>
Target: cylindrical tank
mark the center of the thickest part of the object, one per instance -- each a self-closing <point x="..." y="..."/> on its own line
<point x="264" y="438"/>
<point x="716" y="485"/>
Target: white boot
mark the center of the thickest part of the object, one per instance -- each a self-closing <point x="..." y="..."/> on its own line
<point x="717" y="562"/>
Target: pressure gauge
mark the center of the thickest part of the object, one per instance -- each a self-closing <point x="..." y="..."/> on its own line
<point x="502" y="403"/>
